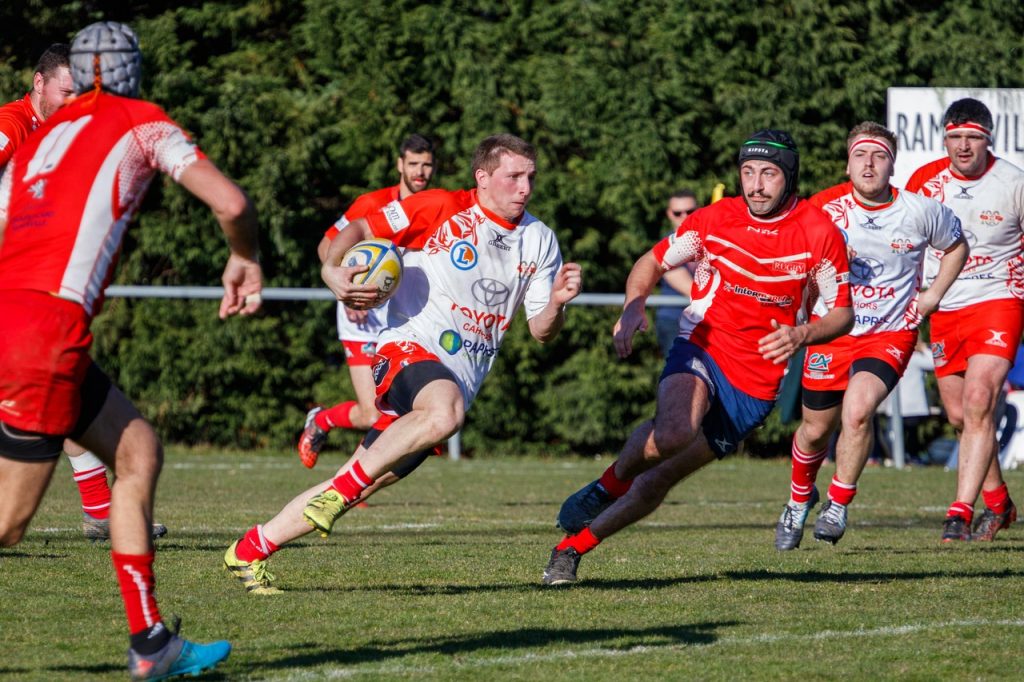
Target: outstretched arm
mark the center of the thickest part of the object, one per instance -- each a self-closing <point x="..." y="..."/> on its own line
<point x="645" y="274"/>
<point x="242" y="278"/>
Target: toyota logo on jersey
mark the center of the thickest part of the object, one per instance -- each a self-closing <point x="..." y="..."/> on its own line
<point x="865" y="269"/>
<point x="490" y="292"/>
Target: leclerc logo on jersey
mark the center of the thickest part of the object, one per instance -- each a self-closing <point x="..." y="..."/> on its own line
<point x="463" y="255"/>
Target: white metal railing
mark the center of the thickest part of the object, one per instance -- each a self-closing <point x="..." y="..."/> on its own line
<point x="454" y="443"/>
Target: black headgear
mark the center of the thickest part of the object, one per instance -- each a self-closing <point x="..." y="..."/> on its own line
<point x="775" y="146"/>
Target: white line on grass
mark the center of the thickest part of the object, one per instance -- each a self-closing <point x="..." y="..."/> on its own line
<point x="469" y="662"/>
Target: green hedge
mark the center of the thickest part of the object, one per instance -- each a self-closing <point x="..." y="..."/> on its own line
<point x="303" y="103"/>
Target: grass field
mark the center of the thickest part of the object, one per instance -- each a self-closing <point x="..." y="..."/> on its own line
<point x="439" y="579"/>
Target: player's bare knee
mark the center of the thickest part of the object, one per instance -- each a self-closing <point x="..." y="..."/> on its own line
<point x="668" y="442"/>
<point x="444" y="421"/>
<point x="143" y="463"/>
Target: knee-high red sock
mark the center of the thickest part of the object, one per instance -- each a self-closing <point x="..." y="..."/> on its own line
<point x="254" y="546"/>
<point x="612" y="484"/>
<point x="997" y="500"/>
<point x="135" y="577"/>
<point x="842" y="493"/>
<point x="961" y="509"/>
<point x="805" y="471"/>
<point x="91" y="478"/>
<point x="339" y="416"/>
<point x="582" y="542"/>
<point x="351" y="483"/>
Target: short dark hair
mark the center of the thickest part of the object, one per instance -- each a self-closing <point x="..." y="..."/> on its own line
<point x="488" y="153"/>
<point x="967" y="109"/>
<point x="683" y="193"/>
<point x="415" y="143"/>
<point x="56" y="56"/>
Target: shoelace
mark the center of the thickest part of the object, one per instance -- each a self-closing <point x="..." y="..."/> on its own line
<point x="261" y="574"/>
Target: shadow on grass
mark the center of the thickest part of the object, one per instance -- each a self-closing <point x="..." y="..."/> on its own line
<point x="528" y="639"/>
<point x="420" y="590"/>
<point x="867" y="577"/>
<point x="80" y="671"/>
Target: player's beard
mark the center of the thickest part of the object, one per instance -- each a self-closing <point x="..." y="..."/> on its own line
<point x="414" y="186"/>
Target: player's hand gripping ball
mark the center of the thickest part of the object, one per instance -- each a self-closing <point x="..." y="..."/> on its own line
<point x="384" y="262"/>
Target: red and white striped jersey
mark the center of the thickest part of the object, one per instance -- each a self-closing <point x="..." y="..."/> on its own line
<point x="467" y="272"/>
<point x="991" y="209"/>
<point x="888" y="245"/>
<point x="71" y="189"/>
<point x="749" y="273"/>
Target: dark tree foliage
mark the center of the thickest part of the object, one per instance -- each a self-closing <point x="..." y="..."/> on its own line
<point x="304" y="103"/>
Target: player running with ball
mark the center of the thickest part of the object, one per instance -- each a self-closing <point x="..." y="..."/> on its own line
<point x="473" y="258"/>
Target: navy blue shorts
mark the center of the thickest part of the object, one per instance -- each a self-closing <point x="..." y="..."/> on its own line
<point x="733" y="413"/>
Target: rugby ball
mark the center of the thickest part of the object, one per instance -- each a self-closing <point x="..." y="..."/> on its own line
<point x="384" y="262"/>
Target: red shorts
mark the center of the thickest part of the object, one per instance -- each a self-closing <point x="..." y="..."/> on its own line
<point x="392" y="358"/>
<point x="827" y="367"/>
<point x="359" y="353"/>
<point x="989" y="328"/>
<point x="44" y="354"/>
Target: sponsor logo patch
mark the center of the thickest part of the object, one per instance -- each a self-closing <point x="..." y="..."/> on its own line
<point x="450" y="341"/>
<point x="395" y="216"/>
<point x="819" y="362"/>
<point x="464" y="256"/>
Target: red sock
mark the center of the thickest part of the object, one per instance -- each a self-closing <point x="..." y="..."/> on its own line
<point x="351" y="483"/>
<point x="805" y="471"/>
<point x="95" y="492"/>
<point x="135" y="576"/>
<point x="254" y="546"/>
<point x="961" y="509"/>
<point x="997" y="500"/>
<point x="582" y="542"/>
<point x="841" y="493"/>
<point x="612" y="484"/>
<point x="336" y="417"/>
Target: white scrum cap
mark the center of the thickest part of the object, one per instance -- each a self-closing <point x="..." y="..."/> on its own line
<point x="106" y="54"/>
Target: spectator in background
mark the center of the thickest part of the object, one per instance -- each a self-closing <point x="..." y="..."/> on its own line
<point x="675" y="282"/>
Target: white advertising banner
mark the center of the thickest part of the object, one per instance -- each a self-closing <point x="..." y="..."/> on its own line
<point x="915" y="115"/>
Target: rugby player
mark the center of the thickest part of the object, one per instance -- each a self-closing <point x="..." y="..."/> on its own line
<point x="887" y="232"/>
<point x="66" y="199"/>
<point x="976" y="332"/>
<point x="51" y="86"/>
<point x="472" y="259"/>
<point x="358" y="329"/>
<point x="759" y="257"/>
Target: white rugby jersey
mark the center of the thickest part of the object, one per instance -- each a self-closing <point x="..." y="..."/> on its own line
<point x="376" y="320"/>
<point x="991" y="209"/>
<point x="887" y="246"/>
<point x="467" y="272"/>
